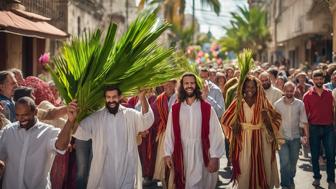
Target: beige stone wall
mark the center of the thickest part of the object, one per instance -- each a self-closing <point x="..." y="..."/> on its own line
<point x="87" y="21"/>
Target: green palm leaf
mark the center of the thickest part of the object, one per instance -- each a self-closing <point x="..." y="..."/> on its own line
<point x="87" y="64"/>
<point x="245" y="63"/>
<point x="247" y="29"/>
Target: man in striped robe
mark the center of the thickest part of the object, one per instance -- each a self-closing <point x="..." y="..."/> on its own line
<point x="254" y="137"/>
<point x="164" y="103"/>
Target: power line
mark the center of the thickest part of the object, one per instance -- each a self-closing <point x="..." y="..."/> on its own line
<point x="211" y="23"/>
<point x="210" y="13"/>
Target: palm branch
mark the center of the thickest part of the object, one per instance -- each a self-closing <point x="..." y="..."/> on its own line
<point x="245" y="64"/>
<point x="87" y="64"/>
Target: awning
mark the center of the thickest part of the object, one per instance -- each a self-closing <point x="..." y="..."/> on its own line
<point x="28" y="24"/>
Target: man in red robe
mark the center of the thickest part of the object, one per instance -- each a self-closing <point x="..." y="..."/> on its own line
<point x="163" y="104"/>
<point x="194" y="140"/>
<point x="147" y="144"/>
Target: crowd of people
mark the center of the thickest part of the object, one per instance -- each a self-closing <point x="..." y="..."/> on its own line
<point x="173" y="135"/>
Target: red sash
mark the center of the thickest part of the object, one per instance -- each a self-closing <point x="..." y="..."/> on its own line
<point x="178" y="151"/>
<point x="162" y="106"/>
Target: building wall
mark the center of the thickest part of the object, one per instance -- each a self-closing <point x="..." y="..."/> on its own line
<point x="121" y="12"/>
<point x="294" y="20"/>
<point x="14" y="51"/>
<point x="80" y="21"/>
<point x="54" y="9"/>
<point x="332" y="6"/>
<point x="294" y="51"/>
<point x="295" y="23"/>
<point x="72" y="16"/>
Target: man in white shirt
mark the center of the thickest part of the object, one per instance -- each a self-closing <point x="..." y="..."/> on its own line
<point x="272" y="93"/>
<point x="293" y="116"/>
<point x="28" y="146"/>
<point x="194" y="139"/>
<point x="113" y="131"/>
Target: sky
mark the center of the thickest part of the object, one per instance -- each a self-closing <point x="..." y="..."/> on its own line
<point x="209" y="20"/>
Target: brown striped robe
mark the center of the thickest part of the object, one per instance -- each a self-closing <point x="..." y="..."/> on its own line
<point x="253" y="150"/>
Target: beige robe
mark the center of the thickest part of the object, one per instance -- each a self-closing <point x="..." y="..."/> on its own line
<point x="245" y="154"/>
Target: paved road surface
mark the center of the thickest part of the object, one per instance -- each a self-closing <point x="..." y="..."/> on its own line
<point x="303" y="179"/>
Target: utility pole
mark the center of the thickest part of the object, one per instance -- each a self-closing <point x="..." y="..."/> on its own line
<point x="193" y="22"/>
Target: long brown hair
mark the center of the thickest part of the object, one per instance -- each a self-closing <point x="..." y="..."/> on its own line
<point x="182" y="95"/>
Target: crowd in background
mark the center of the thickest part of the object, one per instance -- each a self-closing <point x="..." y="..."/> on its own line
<point x="71" y="170"/>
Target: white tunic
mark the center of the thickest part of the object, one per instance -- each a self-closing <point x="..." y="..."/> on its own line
<point x="114" y="147"/>
<point x="28" y="155"/>
<point x="273" y="94"/>
<point x="197" y="175"/>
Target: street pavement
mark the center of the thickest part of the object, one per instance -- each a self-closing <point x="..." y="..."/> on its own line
<point x="303" y="178"/>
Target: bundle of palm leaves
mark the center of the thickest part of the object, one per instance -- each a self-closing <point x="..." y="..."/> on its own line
<point x="87" y="64"/>
<point x="245" y="64"/>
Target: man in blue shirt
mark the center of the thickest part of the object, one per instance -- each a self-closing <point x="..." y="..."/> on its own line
<point x="7" y="85"/>
<point x="332" y="84"/>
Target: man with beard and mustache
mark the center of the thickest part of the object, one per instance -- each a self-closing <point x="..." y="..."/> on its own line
<point x="293" y="117"/>
<point x="194" y="140"/>
<point x="28" y="146"/>
<point x="319" y="107"/>
<point x="113" y="131"/>
<point x="272" y="93"/>
<point x="7" y="85"/>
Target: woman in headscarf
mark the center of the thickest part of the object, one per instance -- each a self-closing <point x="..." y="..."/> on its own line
<point x="254" y="138"/>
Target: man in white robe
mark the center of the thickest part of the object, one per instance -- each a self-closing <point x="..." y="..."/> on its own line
<point x="273" y="94"/>
<point x="113" y="131"/>
<point x="197" y="175"/>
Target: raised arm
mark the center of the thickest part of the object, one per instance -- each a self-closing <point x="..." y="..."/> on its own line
<point x="64" y="137"/>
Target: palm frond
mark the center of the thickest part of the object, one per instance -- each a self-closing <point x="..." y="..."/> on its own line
<point x="87" y="64"/>
<point x="245" y="64"/>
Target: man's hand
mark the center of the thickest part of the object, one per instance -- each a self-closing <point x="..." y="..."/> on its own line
<point x="267" y="122"/>
<point x="205" y="91"/>
<point x="169" y="162"/>
<point x="143" y="100"/>
<point x="144" y="134"/>
<point x="142" y="94"/>
<point x="265" y="117"/>
<point x="72" y="111"/>
<point x="213" y="165"/>
<point x="304" y="140"/>
<point x="2" y="168"/>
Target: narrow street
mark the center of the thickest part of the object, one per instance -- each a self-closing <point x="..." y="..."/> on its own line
<point x="303" y="179"/>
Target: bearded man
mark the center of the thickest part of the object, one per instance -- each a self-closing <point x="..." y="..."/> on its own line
<point x="319" y="107"/>
<point x="113" y="131"/>
<point x="194" y="140"/>
<point x="272" y="93"/>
